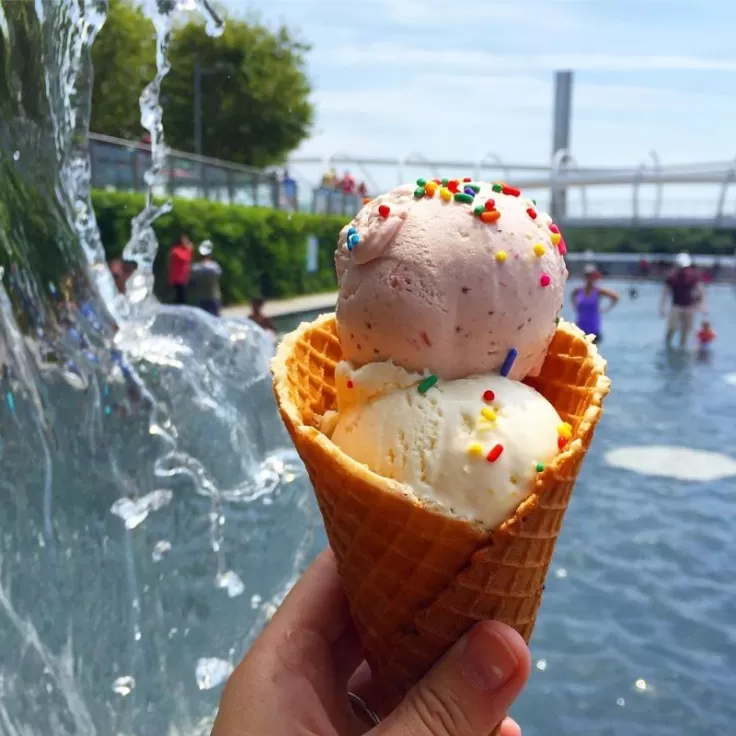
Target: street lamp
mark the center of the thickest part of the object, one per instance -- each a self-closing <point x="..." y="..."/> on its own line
<point x="199" y="72"/>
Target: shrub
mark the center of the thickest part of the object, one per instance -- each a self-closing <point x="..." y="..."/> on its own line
<point x="263" y="251"/>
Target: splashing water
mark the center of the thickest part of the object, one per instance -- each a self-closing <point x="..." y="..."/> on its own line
<point x="144" y="474"/>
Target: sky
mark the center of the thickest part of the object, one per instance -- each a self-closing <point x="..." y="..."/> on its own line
<point x="472" y="78"/>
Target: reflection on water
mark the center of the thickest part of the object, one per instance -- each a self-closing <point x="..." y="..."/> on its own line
<point x="143" y="470"/>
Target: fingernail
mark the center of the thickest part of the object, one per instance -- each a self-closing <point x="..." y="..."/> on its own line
<point x="488" y="662"/>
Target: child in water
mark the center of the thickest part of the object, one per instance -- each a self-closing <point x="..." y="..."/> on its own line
<point x="706" y="334"/>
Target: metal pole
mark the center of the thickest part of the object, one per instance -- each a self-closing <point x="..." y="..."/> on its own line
<point x="198" y="117"/>
<point x="561" y="136"/>
<point x="197" y="107"/>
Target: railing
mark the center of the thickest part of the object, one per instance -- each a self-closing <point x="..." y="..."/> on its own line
<point x="121" y="164"/>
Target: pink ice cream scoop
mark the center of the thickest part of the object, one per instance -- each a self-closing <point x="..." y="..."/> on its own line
<point x="454" y="277"/>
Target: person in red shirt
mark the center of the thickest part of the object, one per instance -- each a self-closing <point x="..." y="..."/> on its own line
<point x="682" y="288"/>
<point x="706" y="334"/>
<point x="180" y="264"/>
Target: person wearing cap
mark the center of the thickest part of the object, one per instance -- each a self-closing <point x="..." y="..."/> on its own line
<point x="586" y="300"/>
<point x="683" y="290"/>
<point x="205" y="281"/>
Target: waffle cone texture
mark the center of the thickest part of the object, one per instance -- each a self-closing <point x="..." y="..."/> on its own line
<point x="416" y="577"/>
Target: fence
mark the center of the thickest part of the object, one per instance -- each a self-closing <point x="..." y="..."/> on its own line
<point x="122" y="165"/>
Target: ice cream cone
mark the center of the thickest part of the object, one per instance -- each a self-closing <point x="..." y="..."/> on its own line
<point x="417" y="578"/>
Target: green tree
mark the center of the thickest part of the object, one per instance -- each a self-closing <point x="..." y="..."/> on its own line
<point x="254" y="92"/>
<point x="124" y="61"/>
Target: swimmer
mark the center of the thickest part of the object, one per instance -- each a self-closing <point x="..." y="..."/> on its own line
<point x="682" y="288"/>
<point x="586" y="301"/>
<point x="257" y="316"/>
<point x="706" y="334"/>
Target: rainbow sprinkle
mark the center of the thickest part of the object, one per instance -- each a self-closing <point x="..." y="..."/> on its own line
<point x="490" y="216"/>
<point x="488" y="395"/>
<point x="509" y="361"/>
<point x="445" y="194"/>
<point x="539" y="250"/>
<point x="353" y="238"/>
<point x="540" y="467"/>
<point x="475" y="449"/>
<point x="427" y="384"/>
<point x="488" y="413"/>
<point x="565" y="430"/>
<point x="384" y="210"/>
<point x="501" y="256"/>
<point x="544" y="279"/>
<point x="494" y="454"/>
<point x="556" y="238"/>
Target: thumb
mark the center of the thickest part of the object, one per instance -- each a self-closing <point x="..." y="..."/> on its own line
<point x="469" y="691"/>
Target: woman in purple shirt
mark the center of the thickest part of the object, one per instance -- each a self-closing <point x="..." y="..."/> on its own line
<point x="587" y="302"/>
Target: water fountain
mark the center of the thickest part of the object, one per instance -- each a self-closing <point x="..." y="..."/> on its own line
<point x="143" y="469"/>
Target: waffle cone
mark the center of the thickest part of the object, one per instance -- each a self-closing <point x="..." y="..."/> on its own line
<point x="415" y="577"/>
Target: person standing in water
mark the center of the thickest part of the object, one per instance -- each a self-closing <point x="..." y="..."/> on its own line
<point x="586" y="300"/>
<point x="682" y="287"/>
<point x="205" y="280"/>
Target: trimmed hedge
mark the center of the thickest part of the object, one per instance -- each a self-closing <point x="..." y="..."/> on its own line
<point x="263" y="251"/>
<point x="651" y="240"/>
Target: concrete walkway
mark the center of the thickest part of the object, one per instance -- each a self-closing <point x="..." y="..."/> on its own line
<point x="281" y="307"/>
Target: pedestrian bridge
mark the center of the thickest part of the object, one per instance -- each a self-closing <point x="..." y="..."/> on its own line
<point x="649" y="194"/>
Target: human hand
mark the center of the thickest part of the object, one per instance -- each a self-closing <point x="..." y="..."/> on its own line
<point x="297" y="675"/>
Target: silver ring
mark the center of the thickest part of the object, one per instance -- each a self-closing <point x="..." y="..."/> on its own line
<point x="361" y="709"/>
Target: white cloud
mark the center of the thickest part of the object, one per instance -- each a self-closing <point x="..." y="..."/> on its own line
<point x="440" y="13"/>
<point x="445" y="103"/>
<point x="392" y="54"/>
